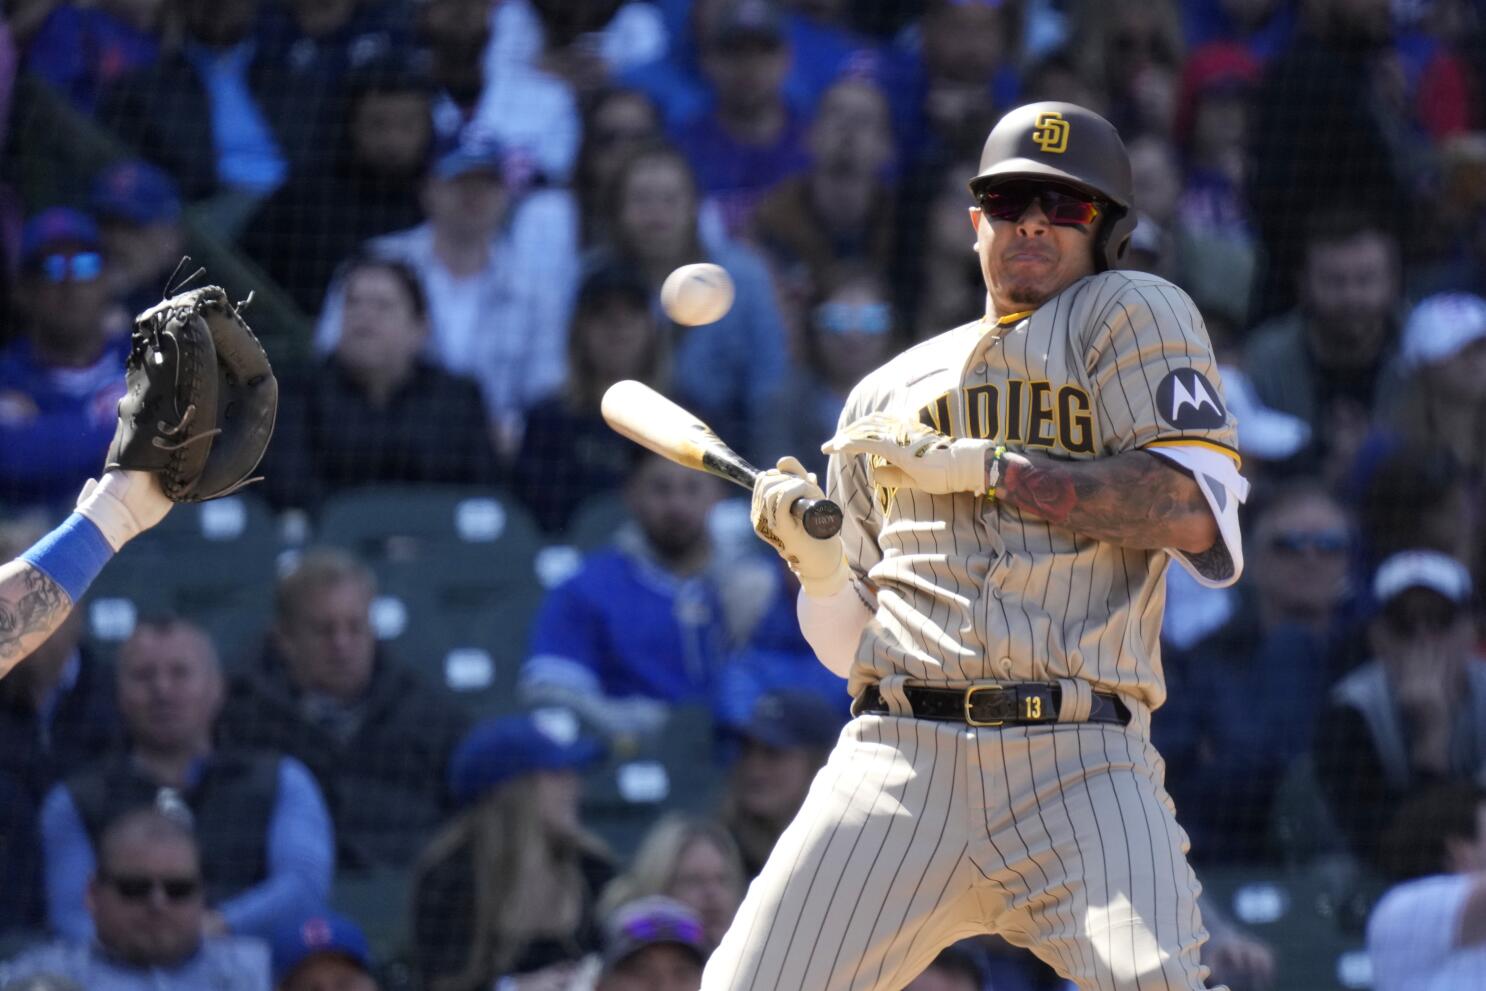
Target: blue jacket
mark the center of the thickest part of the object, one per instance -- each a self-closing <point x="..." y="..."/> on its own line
<point x="55" y="423"/>
<point x="623" y="626"/>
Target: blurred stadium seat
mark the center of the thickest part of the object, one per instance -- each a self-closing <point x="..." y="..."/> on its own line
<point x="1300" y="823"/>
<point x="595" y="521"/>
<point x="643" y="778"/>
<point x="1312" y="928"/>
<point x="463" y="623"/>
<point x="407" y="522"/>
<point x="213" y="563"/>
<point x="378" y="899"/>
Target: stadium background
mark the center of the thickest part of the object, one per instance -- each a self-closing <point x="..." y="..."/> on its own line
<point x="1310" y="172"/>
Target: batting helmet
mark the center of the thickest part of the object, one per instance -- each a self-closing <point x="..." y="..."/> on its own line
<point x="1072" y="145"/>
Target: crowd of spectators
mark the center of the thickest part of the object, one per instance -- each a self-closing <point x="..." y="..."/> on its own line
<point x="468" y="207"/>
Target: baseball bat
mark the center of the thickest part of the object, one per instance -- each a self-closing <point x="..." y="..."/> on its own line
<point x="651" y="420"/>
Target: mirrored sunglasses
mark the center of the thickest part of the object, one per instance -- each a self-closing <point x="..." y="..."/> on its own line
<point x="1011" y="201"/>
<point x="136" y="888"/>
<point x="85" y="266"/>
<point x="854" y="318"/>
<point x="1327" y="542"/>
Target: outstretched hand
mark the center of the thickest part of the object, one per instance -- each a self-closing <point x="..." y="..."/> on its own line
<point x="123" y="504"/>
<point x="907" y="454"/>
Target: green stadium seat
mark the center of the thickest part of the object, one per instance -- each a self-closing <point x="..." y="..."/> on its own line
<point x="643" y="780"/>
<point x="379" y="901"/>
<point x="242" y="521"/>
<point x="1302" y="915"/>
<point x="462" y="622"/>
<point x="1301" y="826"/>
<point x="407" y="523"/>
<point x="595" y="521"/>
<point x="214" y="563"/>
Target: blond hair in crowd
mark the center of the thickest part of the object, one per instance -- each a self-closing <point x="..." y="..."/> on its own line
<point x="528" y="882"/>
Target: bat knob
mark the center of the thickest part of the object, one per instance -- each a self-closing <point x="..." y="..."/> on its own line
<point x="820" y="517"/>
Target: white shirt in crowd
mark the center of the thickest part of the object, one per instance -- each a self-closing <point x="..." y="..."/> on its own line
<point x="1412" y="937"/>
<point x="520" y="106"/>
<point x="636" y="34"/>
<point x="505" y="326"/>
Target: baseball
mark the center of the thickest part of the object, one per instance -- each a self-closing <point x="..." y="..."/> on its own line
<point x="697" y="294"/>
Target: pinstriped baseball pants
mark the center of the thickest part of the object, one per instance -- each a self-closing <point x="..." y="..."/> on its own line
<point x="917" y="834"/>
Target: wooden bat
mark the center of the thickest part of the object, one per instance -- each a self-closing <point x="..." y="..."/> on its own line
<point x="651" y="420"/>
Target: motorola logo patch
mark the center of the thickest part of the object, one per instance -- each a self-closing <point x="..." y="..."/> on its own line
<point x="1188" y="401"/>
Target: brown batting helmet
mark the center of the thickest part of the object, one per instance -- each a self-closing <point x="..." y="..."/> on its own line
<point x="1070" y="145"/>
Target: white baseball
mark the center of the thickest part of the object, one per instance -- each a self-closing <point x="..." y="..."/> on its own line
<point x="697" y="294"/>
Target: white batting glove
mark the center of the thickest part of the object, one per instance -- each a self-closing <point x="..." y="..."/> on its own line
<point x="819" y="564"/>
<point x="123" y="504"/>
<point x="906" y="454"/>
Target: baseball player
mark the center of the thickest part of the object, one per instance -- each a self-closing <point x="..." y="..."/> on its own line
<point x="1012" y="491"/>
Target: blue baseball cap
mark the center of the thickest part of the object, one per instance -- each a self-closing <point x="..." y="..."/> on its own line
<point x="317" y="935"/>
<point x="749" y="20"/>
<point x="652" y="921"/>
<point x="500" y="749"/>
<point x="57" y="226"/>
<point x="135" y="192"/>
<point x="469" y="154"/>
<point x="791" y="720"/>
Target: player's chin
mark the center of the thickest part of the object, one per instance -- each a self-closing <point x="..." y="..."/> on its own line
<point x="1030" y="292"/>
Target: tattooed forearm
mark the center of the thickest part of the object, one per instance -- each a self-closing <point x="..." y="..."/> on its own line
<point x="1133" y="499"/>
<point x="31" y="607"/>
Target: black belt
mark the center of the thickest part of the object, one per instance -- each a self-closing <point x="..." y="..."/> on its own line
<point x="1007" y="703"/>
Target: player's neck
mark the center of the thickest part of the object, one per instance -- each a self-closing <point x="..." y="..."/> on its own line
<point x="1005" y="314"/>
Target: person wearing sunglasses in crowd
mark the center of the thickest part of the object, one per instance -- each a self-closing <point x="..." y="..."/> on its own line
<point x="1012" y="492"/>
<point x="1414" y="715"/>
<point x="849" y="330"/>
<point x="148" y="906"/>
<point x="1224" y="762"/>
<point x="62" y="377"/>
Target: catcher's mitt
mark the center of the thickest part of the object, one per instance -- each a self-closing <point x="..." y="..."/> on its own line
<point x="201" y="398"/>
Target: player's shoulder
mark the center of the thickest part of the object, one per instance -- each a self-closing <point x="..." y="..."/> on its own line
<point x="1114" y="288"/>
<point x="935" y="354"/>
<point x="1122" y="301"/>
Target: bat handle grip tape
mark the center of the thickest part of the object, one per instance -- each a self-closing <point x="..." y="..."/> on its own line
<point x="820" y="517"/>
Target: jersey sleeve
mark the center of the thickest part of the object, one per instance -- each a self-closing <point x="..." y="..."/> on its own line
<point x="1154" y="375"/>
<point x="1158" y="389"/>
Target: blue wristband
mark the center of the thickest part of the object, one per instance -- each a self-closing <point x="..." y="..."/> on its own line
<point x="72" y="555"/>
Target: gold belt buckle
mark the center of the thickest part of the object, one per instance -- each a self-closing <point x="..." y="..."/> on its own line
<point x="970" y="702"/>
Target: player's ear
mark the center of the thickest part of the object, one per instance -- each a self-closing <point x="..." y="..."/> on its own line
<point x="975" y="219"/>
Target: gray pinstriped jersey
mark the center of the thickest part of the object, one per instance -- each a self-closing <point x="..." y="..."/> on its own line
<point x="973" y="589"/>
